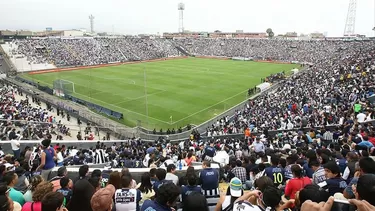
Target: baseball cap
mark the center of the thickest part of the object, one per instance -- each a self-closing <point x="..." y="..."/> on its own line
<point x="102" y="199"/>
<point x="235" y="187"/>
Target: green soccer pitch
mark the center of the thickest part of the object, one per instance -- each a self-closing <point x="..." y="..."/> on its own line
<point x="178" y="91"/>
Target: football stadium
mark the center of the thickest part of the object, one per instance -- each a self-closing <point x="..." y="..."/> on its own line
<point x="178" y="92"/>
<point x="149" y="110"/>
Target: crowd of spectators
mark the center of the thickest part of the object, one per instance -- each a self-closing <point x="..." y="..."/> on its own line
<point x="260" y="174"/>
<point x="90" y="51"/>
<point x="20" y="120"/>
<point x="334" y="91"/>
<point x="294" y="170"/>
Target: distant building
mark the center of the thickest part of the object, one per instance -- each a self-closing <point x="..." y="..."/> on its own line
<point x="317" y="35"/>
<point x="48" y="34"/>
<point x="8" y="35"/>
<point x="73" y="33"/>
<point x="240" y="35"/>
<point x="291" y="34"/>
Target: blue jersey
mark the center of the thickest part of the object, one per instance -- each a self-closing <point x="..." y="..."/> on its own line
<point x="276" y="174"/>
<point x="209" y="178"/>
<point x="187" y="190"/>
<point x="151" y="205"/>
<point x="158" y="184"/>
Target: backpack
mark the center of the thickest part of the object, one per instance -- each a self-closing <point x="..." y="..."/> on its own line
<point x="32" y="206"/>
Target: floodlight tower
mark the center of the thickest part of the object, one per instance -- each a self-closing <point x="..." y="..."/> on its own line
<point x="350" y="18"/>
<point x="91" y="17"/>
<point x="181" y="8"/>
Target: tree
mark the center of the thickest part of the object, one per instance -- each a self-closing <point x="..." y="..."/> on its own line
<point x="270" y="33"/>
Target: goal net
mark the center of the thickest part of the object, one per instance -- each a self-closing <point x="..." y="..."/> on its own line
<point x="63" y="87"/>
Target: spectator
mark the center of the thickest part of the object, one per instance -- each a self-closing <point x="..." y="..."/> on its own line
<point x="81" y="196"/>
<point x="189" y="159"/>
<point x="311" y="192"/>
<point x="115" y="179"/>
<point x="275" y="172"/>
<point x="271" y="199"/>
<point x="165" y="198"/>
<point x="40" y="191"/>
<point x="171" y="169"/>
<point x="297" y="183"/>
<point x="103" y="199"/>
<point x="34" y="182"/>
<point x="209" y="180"/>
<point x="334" y="182"/>
<point x="59" y="156"/>
<point x="11" y="178"/>
<point x="15" y="144"/>
<point x="258" y="146"/>
<point x="22" y="182"/>
<point x="366" y="188"/>
<point x="82" y="173"/>
<point x="319" y="173"/>
<point x="146" y="188"/>
<point x="125" y="171"/>
<point x="95" y="182"/>
<point x="367" y="166"/>
<point x="53" y="202"/>
<point x="262" y="182"/>
<point x="190" y="188"/>
<point x="195" y="201"/>
<point x="62" y="172"/>
<point x="240" y="173"/>
<point x="47" y="159"/>
<point x="234" y="191"/>
<point x="127" y="198"/>
<point x="209" y="152"/>
<point x="189" y="172"/>
<point x="160" y="174"/>
<point x="7" y="204"/>
<point x="65" y="190"/>
<point x="180" y="161"/>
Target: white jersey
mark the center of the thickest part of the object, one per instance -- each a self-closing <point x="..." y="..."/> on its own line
<point x="127" y="199"/>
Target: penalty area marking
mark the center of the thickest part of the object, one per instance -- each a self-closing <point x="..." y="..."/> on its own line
<point x="125" y="109"/>
<point x="209" y="107"/>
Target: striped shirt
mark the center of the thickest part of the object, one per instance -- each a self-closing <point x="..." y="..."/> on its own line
<point x="319" y="176"/>
<point x="328" y="136"/>
<point x="99" y="156"/>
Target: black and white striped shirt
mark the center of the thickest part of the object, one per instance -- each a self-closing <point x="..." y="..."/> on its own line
<point x="99" y="156"/>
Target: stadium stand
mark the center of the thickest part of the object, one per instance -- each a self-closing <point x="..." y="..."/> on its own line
<point x="336" y="90"/>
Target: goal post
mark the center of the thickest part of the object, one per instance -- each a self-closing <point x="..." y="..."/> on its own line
<point x="63" y="87"/>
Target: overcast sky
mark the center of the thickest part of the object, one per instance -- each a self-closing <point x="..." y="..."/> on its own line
<point x="152" y="16"/>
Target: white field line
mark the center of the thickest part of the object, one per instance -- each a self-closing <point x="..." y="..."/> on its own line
<point x="209" y="107"/>
<point x="94" y="99"/>
<point x="121" y="108"/>
<point x="131" y="99"/>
